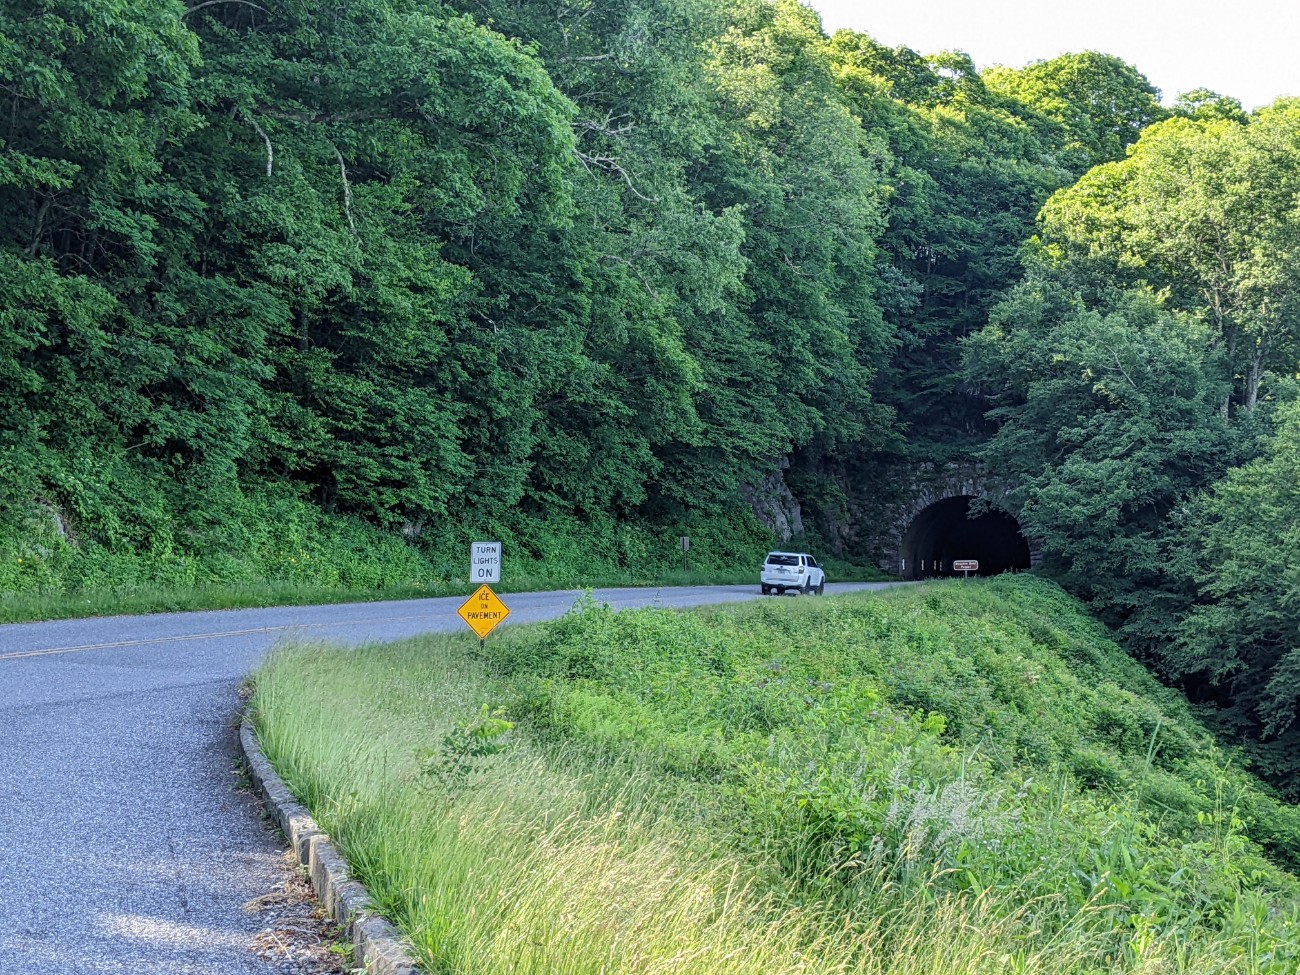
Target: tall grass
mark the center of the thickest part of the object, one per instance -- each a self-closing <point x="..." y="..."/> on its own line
<point x="576" y="850"/>
<point x="558" y="865"/>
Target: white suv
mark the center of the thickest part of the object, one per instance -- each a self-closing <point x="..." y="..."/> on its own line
<point x="792" y="570"/>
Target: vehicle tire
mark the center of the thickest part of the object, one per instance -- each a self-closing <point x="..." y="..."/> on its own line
<point x="780" y="590"/>
<point x="806" y="588"/>
<point x="821" y="587"/>
<point x="767" y="590"/>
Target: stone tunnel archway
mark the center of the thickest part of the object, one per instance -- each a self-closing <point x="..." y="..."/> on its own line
<point x="943" y="532"/>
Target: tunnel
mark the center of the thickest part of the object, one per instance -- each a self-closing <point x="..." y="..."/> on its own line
<point x="944" y="533"/>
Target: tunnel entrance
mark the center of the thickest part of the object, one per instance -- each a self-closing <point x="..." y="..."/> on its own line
<point x="944" y="532"/>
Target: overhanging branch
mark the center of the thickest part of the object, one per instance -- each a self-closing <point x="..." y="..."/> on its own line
<point x="270" y="151"/>
<point x="611" y="165"/>
<point x="212" y="3"/>
<point x="347" y="191"/>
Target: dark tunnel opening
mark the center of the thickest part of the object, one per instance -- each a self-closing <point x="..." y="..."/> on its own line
<point x="944" y="533"/>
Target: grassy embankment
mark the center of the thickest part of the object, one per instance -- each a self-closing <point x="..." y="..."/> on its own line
<point x="285" y="552"/>
<point x="947" y="780"/>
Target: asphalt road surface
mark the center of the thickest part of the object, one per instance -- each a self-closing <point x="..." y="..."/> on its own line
<point x="125" y="846"/>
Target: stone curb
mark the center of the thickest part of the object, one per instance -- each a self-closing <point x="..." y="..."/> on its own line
<point x="379" y="948"/>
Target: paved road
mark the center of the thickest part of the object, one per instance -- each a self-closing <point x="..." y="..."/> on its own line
<point x="124" y="846"/>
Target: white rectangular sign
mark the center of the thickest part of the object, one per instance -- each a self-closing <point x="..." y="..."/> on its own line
<point x="484" y="562"/>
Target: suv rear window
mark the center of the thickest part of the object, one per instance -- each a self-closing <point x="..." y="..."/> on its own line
<point x="783" y="560"/>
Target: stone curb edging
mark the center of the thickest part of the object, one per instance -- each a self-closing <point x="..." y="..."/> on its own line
<point x="379" y="949"/>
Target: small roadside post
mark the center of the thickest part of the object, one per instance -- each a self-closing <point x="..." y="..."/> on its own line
<point x="484" y="611"/>
<point x="686" y="547"/>
<point x="966" y="566"/>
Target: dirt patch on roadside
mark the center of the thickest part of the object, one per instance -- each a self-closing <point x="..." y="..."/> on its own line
<point x="295" y="934"/>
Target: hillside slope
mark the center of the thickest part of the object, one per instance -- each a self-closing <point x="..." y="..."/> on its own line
<point x="950" y="778"/>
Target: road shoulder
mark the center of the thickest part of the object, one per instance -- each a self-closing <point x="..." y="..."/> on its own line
<point x="378" y="946"/>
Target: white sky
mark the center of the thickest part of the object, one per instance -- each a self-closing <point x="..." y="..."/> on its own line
<point x="1249" y="49"/>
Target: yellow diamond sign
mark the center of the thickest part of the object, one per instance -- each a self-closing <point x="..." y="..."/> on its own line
<point x="483" y="611"/>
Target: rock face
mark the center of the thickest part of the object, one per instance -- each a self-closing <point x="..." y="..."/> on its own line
<point x="774" y="505"/>
<point x="875" y="519"/>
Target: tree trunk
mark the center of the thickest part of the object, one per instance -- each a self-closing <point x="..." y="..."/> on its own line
<point x="38" y="230"/>
<point x="1230" y="346"/>
<point x="1253" y="376"/>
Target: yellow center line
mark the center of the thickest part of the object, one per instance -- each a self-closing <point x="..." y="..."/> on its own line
<point x="212" y="636"/>
<point x="189" y="637"/>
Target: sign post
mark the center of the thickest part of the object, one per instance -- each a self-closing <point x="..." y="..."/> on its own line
<point x="966" y="567"/>
<point x="484" y="562"/>
<point x="483" y="612"/>
<point x="686" y="547"/>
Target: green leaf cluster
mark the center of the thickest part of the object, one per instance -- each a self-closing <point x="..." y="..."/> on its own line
<point x="1147" y="356"/>
<point x="428" y="265"/>
<point x="1243" y="635"/>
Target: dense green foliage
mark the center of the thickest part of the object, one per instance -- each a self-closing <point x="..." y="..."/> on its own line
<point x="380" y="257"/>
<point x="417" y="266"/>
<point x="967" y="171"/>
<point x="1101" y="103"/>
<point x="1204" y="212"/>
<point x="1241" y="637"/>
<point x="1151" y="350"/>
<point x="1111" y="419"/>
<point x="961" y="778"/>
